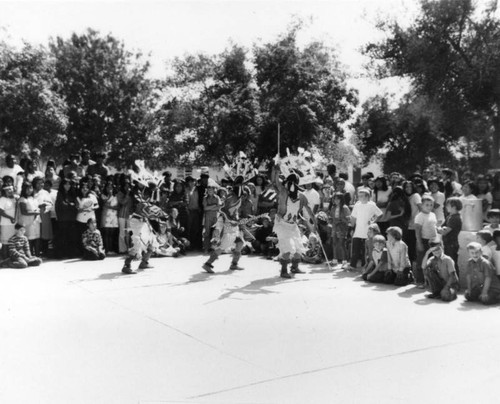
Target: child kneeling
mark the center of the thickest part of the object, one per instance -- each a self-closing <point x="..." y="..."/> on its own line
<point x="398" y="263"/>
<point x="440" y="273"/>
<point x="19" y="251"/>
<point x="376" y="267"/>
<point x="482" y="285"/>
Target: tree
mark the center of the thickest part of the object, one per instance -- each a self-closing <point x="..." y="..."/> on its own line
<point x="31" y="111"/>
<point x="406" y="138"/>
<point x="108" y="95"/>
<point x="212" y="111"/>
<point x="304" y="91"/>
<point x="451" y="53"/>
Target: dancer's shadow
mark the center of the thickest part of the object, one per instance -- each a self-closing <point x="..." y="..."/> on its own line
<point x="202" y="277"/>
<point x="258" y="287"/>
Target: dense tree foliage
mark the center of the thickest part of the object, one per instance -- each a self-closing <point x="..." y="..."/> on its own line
<point x="31" y="110"/>
<point x="451" y="53"/>
<point x="108" y="96"/>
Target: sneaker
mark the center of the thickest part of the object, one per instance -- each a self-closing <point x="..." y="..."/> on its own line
<point x="235" y="267"/>
<point x="208" y="267"/>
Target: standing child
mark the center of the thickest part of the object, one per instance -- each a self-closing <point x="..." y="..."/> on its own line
<point x="451" y="228"/>
<point x="425" y="230"/>
<point x="364" y="213"/>
<point x="211" y="207"/>
<point x="481" y="285"/>
<point x="398" y="263"/>
<point x="340" y="215"/>
<point x="440" y="272"/>
<point x="377" y="267"/>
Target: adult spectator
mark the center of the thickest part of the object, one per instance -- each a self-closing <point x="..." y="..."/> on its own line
<point x="8" y="207"/>
<point x="72" y="169"/>
<point x="194" y="213"/>
<point x="66" y="238"/>
<point x="14" y="171"/>
<point x="348" y="185"/>
<point x="381" y="195"/>
<point x="125" y="203"/>
<point x="99" y="168"/>
<point x="85" y="161"/>
<point x="451" y="187"/>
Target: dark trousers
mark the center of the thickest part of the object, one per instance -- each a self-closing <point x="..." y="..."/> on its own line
<point x="194" y="229"/>
<point x="437" y="285"/>
<point x="66" y="240"/>
<point x="357" y="251"/>
<point x="451" y="250"/>
<point x="473" y="295"/>
<point x="93" y="255"/>
<point x="110" y="238"/>
<point x="402" y="278"/>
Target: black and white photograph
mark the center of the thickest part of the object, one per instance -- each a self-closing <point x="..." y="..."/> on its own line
<point x="249" y="201"/>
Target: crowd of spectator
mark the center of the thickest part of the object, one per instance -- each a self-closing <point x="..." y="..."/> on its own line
<point x="394" y="229"/>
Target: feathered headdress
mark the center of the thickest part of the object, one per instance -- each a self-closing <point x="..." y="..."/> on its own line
<point x="241" y="166"/>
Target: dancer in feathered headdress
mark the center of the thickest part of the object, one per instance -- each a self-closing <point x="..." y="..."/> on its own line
<point x="228" y="231"/>
<point x="291" y="203"/>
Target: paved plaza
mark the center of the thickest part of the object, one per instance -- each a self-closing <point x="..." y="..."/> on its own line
<point x="81" y="332"/>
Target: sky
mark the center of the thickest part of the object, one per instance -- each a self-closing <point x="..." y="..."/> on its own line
<point x="166" y="29"/>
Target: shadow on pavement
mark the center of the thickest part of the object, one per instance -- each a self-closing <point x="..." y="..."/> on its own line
<point x="411" y="291"/>
<point x="258" y="287"/>
<point x="469" y="306"/>
<point x="379" y="287"/>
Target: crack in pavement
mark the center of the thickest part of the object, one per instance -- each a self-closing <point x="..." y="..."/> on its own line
<point x="340" y="365"/>
<point x="177" y="330"/>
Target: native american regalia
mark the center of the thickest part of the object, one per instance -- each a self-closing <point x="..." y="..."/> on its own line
<point x="142" y="235"/>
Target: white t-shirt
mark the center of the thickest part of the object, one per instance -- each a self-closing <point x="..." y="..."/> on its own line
<point x="428" y="221"/>
<point x="8" y="205"/>
<point x="439" y="199"/>
<point x="364" y="213"/>
<point x="312" y="197"/>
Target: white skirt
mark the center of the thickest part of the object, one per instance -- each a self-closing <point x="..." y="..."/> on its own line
<point x="289" y="238"/>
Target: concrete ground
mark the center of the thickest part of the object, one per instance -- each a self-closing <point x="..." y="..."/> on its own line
<point x="81" y="332"/>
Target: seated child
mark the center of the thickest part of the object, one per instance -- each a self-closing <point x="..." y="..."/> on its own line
<point x="484" y="238"/>
<point x="178" y="232"/>
<point x="373" y="230"/>
<point x="481" y="285"/>
<point x="440" y="273"/>
<point x="165" y="240"/>
<point x="398" y="263"/>
<point x="493" y="217"/>
<point x="93" y="246"/>
<point x="261" y="245"/>
<point x="377" y="266"/>
<point x="314" y="253"/>
<point x="19" y="251"/>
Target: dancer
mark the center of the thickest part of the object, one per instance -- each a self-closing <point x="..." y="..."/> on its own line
<point x="290" y="204"/>
<point x="143" y="239"/>
<point x="227" y="233"/>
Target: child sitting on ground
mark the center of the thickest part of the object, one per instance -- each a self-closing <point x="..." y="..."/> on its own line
<point x="377" y="265"/>
<point x="398" y="263"/>
<point x="373" y="230"/>
<point x="165" y="241"/>
<point x="93" y="246"/>
<point x="314" y="253"/>
<point x="19" y="251"/>
<point x="482" y="286"/>
<point x="440" y="273"/>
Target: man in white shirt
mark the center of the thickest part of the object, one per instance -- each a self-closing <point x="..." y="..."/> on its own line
<point x="13" y="170"/>
<point x="313" y="200"/>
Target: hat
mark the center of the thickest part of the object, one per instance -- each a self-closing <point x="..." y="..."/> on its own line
<point x="493" y="212"/>
<point x="204" y="172"/>
<point x="212" y="183"/>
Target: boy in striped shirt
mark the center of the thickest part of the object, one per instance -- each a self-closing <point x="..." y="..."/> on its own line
<point x="19" y="251"/>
